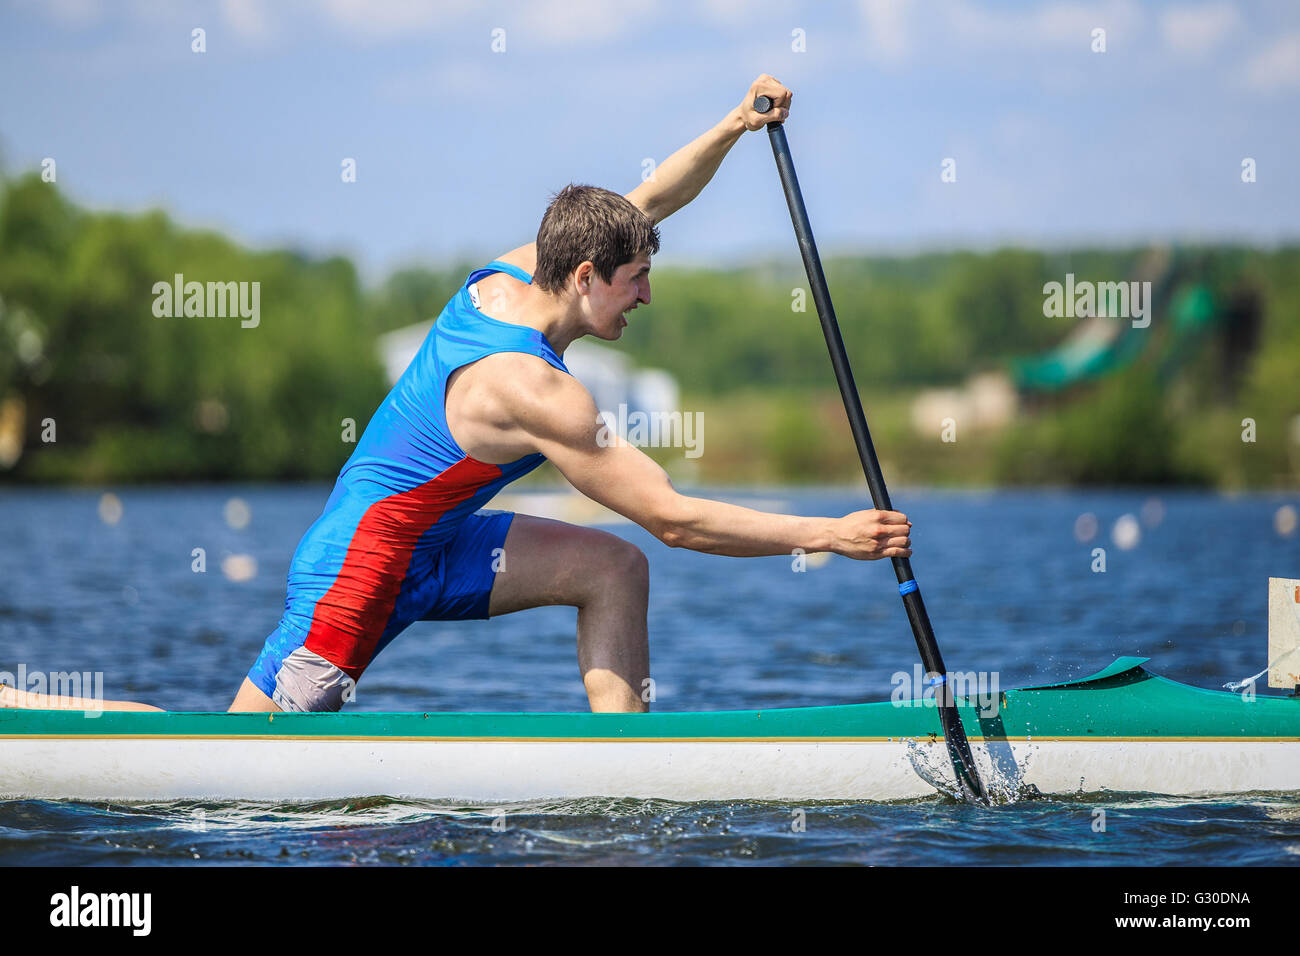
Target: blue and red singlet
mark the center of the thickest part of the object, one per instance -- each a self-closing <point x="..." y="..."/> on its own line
<point x="401" y="538"/>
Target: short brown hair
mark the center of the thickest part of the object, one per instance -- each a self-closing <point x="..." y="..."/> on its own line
<point x="589" y="223"/>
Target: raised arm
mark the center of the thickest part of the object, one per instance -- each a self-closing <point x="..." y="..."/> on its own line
<point x="556" y="416"/>
<point x="680" y="177"/>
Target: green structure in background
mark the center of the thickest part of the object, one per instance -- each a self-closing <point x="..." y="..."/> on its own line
<point x="1101" y="345"/>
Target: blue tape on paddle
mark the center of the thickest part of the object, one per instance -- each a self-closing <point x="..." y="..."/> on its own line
<point x="937" y="680"/>
<point x="907" y="587"/>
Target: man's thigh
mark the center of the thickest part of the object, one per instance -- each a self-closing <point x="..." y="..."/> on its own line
<point x="454" y="584"/>
<point x="547" y="562"/>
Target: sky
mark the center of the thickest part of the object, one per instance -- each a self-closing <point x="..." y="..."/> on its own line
<point x="464" y="117"/>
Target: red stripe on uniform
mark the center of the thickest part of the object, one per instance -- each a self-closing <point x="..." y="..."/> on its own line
<point x="351" y="616"/>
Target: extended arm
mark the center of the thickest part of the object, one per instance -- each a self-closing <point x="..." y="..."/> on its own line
<point x="558" y="416"/>
<point x="681" y="177"/>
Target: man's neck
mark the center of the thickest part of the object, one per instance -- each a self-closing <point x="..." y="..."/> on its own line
<point x="552" y="316"/>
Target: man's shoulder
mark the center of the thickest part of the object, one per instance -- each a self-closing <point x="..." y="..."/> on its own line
<point x="525" y="257"/>
<point x="509" y="365"/>
<point x="515" y="373"/>
<point x="529" y="391"/>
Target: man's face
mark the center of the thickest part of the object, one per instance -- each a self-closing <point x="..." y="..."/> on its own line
<point x="626" y="290"/>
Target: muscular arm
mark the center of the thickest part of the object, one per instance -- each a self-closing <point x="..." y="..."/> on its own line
<point x="681" y="177"/>
<point x="552" y="413"/>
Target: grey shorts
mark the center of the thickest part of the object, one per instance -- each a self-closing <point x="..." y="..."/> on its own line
<point x="308" y="683"/>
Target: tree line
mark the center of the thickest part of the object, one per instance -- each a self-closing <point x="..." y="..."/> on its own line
<point x="101" y="380"/>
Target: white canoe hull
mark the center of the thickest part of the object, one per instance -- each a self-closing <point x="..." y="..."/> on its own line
<point x="480" y="772"/>
<point x="1121" y="729"/>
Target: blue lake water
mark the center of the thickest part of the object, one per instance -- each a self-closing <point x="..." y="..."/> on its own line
<point x="1007" y="580"/>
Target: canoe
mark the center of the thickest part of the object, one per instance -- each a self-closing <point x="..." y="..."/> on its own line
<point x="1121" y="729"/>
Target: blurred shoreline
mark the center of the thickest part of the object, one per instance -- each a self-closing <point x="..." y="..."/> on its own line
<point x="968" y="376"/>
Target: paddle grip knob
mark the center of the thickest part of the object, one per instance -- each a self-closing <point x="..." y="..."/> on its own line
<point x="762" y="103"/>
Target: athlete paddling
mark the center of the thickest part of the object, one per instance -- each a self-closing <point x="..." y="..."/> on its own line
<point x="486" y="400"/>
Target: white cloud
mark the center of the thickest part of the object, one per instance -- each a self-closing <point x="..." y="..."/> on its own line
<point x="536" y="23"/>
<point x="247" y="18"/>
<point x="1017" y="129"/>
<point x="737" y="13"/>
<point x="72" y="13"/>
<point x="1051" y="26"/>
<point x="1198" y="29"/>
<point x="385" y="18"/>
<point x="578" y="22"/>
<point x="1277" y="67"/>
<point x="1064" y="24"/>
<point x="886" y="28"/>
<point x="466" y="79"/>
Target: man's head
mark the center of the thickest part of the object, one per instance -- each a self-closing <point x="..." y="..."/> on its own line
<point x="598" y="244"/>
<point x="590" y="224"/>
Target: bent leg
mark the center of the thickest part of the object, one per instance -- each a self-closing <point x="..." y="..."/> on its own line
<point x="607" y="579"/>
<point x="251" y="700"/>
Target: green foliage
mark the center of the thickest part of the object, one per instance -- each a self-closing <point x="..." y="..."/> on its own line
<point x="410" y="296"/>
<point x="141" y="397"/>
<point x="1123" y="435"/>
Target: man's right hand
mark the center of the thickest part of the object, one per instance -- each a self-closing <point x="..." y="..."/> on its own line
<point x="770" y="87"/>
<point x="872" y="535"/>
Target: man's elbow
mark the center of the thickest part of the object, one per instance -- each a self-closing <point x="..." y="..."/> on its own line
<point x="674" y="529"/>
<point x="673" y="535"/>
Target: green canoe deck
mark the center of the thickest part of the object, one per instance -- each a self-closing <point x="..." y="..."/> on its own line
<point x="1122" y="701"/>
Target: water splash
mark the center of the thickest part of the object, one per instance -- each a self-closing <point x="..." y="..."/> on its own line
<point x="1003" y="776"/>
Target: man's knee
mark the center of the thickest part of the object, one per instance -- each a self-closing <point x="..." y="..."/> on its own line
<point x="557" y="563"/>
<point x="623" y="565"/>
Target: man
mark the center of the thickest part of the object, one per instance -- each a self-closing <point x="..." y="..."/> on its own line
<point x="487" y="399"/>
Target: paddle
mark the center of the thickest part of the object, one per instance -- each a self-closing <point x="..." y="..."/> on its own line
<point x="954" y="735"/>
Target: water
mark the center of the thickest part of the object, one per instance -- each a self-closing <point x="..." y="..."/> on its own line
<point x="1008" y="583"/>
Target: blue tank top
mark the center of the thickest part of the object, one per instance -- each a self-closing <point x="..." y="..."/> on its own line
<point x="407" y="449"/>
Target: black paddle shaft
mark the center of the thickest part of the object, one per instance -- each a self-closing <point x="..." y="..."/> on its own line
<point x="955" y="736"/>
